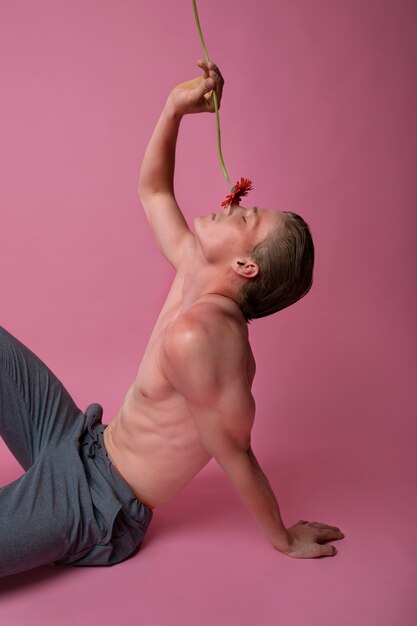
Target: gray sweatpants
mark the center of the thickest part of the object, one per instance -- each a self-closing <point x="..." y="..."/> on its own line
<point x="71" y="506"/>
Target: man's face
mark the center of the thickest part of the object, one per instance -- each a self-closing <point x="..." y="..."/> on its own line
<point x="230" y="233"/>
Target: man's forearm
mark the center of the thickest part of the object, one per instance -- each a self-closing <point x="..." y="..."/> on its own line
<point x="192" y="96"/>
<point x="255" y="491"/>
<point x="157" y="171"/>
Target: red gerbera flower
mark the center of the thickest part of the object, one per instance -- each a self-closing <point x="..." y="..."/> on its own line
<point x="240" y="190"/>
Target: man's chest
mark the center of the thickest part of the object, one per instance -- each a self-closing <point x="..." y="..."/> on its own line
<point x="150" y="382"/>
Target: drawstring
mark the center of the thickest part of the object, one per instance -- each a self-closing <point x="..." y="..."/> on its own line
<point x="93" y="414"/>
<point x="93" y="443"/>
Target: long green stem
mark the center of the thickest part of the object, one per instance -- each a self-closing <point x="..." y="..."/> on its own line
<point x="216" y="106"/>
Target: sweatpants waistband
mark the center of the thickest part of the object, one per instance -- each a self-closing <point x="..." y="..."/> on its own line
<point x="92" y="447"/>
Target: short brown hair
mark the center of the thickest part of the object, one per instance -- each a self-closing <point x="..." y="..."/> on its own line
<point x="285" y="259"/>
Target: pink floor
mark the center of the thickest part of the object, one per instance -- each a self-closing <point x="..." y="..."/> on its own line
<point x="205" y="563"/>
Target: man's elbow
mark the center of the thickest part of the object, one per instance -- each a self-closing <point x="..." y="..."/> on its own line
<point x="147" y="187"/>
<point x="149" y="199"/>
<point x="145" y="192"/>
<point x="234" y="461"/>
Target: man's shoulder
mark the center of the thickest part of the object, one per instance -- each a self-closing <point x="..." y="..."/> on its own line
<point x="205" y="353"/>
<point x="203" y="327"/>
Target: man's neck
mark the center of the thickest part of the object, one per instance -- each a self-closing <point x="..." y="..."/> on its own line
<point x="204" y="281"/>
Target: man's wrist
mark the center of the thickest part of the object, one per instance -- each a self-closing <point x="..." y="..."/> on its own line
<point x="283" y="543"/>
<point x="171" y="112"/>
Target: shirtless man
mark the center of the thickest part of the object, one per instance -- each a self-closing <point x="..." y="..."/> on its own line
<point x="191" y="400"/>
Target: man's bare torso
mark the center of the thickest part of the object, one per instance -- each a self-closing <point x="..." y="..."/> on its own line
<point x="152" y="440"/>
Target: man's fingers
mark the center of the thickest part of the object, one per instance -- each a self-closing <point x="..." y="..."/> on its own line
<point x="328" y="534"/>
<point x="203" y="65"/>
<point x="326" y="550"/>
<point x="209" y="65"/>
<point x="215" y="74"/>
<point x="213" y="68"/>
<point x="206" y="86"/>
<point x="202" y="62"/>
<point x="204" y="89"/>
<point x="212" y="73"/>
<point x="322" y="525"/>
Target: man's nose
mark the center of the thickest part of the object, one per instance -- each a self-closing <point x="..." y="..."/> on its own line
<point x="231" y="209"/>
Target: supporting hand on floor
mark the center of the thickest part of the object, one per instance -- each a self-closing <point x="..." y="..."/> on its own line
<point x="306" y="540"/>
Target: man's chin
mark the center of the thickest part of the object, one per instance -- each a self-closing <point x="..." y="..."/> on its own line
<point x="200" y="220"/>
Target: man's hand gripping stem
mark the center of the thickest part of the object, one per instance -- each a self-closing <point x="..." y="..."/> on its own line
<point x="196" y="95"/>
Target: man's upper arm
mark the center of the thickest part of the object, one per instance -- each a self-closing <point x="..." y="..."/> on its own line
<point x="168" y="225"/>
<point x="208" y="368"/>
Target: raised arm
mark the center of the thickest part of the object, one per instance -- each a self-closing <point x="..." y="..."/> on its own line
<point x="156" y="181"/>
<point x="206" y="364"/>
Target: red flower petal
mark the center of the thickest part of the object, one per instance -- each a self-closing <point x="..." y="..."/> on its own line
<point x="240" y="190"/>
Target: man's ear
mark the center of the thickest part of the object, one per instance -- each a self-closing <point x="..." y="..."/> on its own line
<point x="246" y="268"/>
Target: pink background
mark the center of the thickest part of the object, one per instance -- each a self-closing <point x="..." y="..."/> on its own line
<point x="320" y="111"/>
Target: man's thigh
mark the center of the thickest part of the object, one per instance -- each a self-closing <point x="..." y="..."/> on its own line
<point x="38" y="515"/>
<point x="35" y="408"/>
